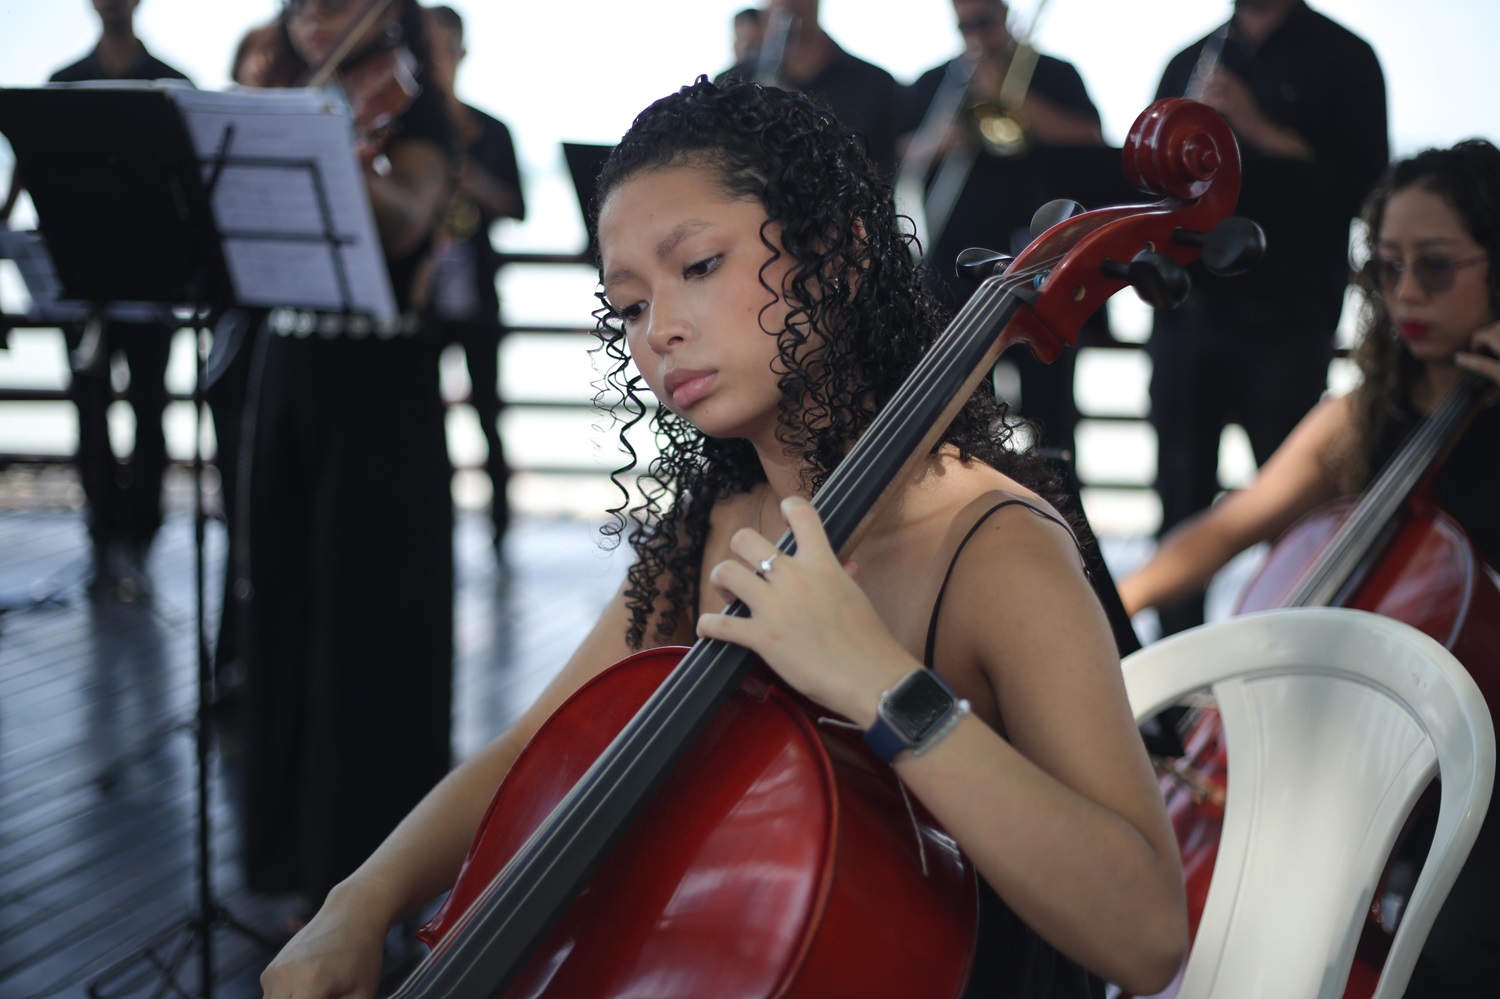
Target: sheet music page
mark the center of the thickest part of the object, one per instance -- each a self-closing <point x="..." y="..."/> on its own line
<point x="289" y="166"/>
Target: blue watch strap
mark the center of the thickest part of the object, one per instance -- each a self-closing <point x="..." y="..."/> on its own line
<point x="884" y="741"/>
<point x="928" y="706"/>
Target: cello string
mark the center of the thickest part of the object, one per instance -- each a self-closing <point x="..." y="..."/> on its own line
<point x="1351" y="544"/>
<point x="940" y="364"/>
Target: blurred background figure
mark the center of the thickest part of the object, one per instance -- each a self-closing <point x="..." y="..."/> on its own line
<point x="343" y="557"/>
<point x="254" y="57"/>
<point x="1306" y="99"/>
<point x="797" y="54"/>
<point x="124" y="494"/>
<point x="465" y="301"/>
<point x="749" y="31"/>
<point x="985" y="138"/>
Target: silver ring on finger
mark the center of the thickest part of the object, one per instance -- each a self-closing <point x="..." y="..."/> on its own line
<point x="763" y="567"/>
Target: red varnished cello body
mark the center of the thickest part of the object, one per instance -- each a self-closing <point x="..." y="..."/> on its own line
<point x="684" y="826"/>
<point x="1394" y="552"/>
<point x="772" y="815"/>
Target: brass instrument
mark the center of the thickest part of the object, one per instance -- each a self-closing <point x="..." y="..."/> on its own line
<point x="995" y="123"/>
<point x="462" y="218"/>
<point x="993" y="126"/>
<point x="1209" y="58"/>
<point x="772" y="54"/>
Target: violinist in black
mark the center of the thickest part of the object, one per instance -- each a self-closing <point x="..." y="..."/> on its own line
<point x="1432" y="293"/>
<point x="344" y="578"/>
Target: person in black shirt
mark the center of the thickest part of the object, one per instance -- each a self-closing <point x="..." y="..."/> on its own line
<point x="977" y="196"/>
<point x="1306" y="99"/>
<point x="464" y="297"/>
<point x="797" y="54"/>
<point x="749" y="25"/>
<point x="124" y="498"/>
<point x="343" y="572"/>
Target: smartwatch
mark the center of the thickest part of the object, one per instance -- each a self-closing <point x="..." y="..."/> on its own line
<point x="914" y="715"/>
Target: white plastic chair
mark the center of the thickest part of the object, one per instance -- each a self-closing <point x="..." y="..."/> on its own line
<point x="1335" y="721"/>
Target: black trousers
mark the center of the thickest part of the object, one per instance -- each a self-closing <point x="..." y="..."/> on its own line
<point x="1207" y="374"/>
<point x="345" y="592"/>
<point x="481" y="345"/>
<point x="1047" y="398"/>
<point x="1462" y="953"/>
<point x="124" y="496"/>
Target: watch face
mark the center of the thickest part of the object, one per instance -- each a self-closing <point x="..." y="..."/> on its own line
<point x="917" y="704"/>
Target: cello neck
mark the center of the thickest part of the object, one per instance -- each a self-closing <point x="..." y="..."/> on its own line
<point x="1398" y="480"/>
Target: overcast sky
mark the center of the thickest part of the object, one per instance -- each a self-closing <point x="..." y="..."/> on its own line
<point x="581" y="69"/>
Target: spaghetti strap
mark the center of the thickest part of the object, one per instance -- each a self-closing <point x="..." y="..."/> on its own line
<point x="937" y="605"/>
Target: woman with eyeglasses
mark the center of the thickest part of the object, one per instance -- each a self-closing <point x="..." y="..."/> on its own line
<point x="1432" y="300"/>
<point x="341" y="583"/>
<point x="1432" y="288"/>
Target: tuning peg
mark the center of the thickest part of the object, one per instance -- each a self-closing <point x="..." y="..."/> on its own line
<point x="1231" y="247"/>
<point x="976" y="263"/>
<point x="1053" y="212"/>
<point x="1160" y="281"/>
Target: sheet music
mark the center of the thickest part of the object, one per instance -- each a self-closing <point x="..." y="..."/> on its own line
<point x="290" y="154"/>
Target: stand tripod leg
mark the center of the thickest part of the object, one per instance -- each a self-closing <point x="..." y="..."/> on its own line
<point x="165" y="953"/>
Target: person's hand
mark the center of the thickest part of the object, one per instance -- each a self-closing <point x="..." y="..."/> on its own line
<point x="1228" y="94"/>
<point x="1483" y="354"/>
<point x="335" y="956"/>
<point x="809" y="620"/>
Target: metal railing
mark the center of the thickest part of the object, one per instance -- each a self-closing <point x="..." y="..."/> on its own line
<point x="581" y="404"/>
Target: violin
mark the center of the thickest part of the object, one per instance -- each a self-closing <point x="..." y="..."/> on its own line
<point x="1392" y="551"/>
<point x="685" y="826"/>
<point x="379" y="81"/>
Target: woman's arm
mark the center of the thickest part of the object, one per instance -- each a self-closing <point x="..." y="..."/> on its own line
<point x="338" y="953"/>
<point x="1294" y="481"/>
<point x="1064" y="820"/>
<point x="1062" y="816"/>
<point x="408" y="200"/>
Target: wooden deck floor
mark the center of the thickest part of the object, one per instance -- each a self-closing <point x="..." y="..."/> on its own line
<point x="97" y="745"/>
<point x="98" y="874"/>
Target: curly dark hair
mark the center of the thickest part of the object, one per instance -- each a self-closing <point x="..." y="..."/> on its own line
<point x="845" y="348"/>
<point x="1467" y="176"/>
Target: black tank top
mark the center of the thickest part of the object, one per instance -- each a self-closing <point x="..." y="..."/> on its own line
<point x="1468" y="484"/>
<point x="1010" y="960"/>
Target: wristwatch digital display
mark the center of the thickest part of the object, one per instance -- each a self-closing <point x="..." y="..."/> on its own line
<point x="913" y="715"/>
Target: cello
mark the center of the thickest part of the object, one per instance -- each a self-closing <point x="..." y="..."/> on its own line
<point x="677" y="793"/>
<point x="1392" y="551"/>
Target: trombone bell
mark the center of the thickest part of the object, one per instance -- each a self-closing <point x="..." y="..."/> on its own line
<point x="998" y="129"/>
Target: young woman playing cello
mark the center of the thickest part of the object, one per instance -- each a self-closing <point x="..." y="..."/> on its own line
<point x="756" y="281"/>
<point x="1433" y="298"/>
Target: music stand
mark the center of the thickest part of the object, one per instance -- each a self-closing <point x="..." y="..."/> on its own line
<point x="584" y="161"/>
<point x="128" y="200"/>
